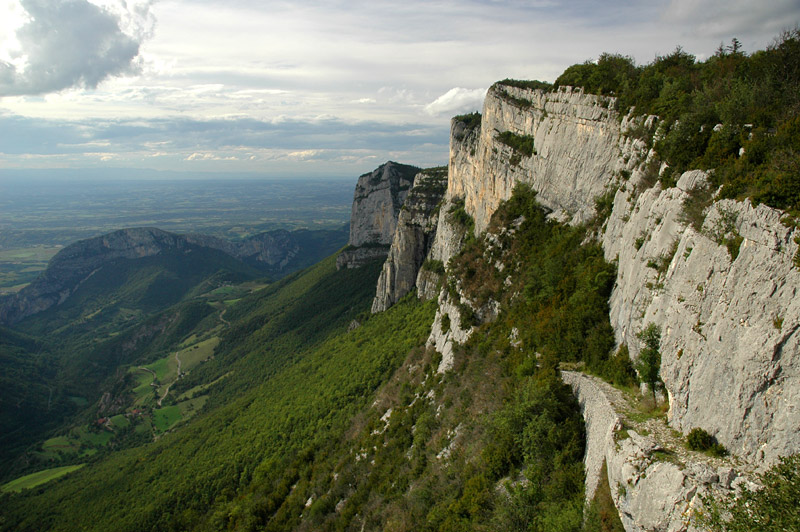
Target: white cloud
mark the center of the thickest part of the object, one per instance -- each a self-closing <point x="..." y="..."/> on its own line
<point x="457" y="100"/>
<point x="73" y="43"/>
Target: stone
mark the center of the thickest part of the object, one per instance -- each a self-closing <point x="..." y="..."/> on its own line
<point x="376" y="205"/>
<point x="413" y="238"/>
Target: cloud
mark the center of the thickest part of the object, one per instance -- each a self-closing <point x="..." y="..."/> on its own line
<point x="457" y="100"/>
<point x="729" y="18"/>
<point x="73" y="43"/>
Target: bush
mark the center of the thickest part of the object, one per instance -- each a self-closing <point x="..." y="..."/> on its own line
<point x="700" y="440"/>
<point x="522" y="144"/>
<point x="649" y="363"/>
<point x="470" y="120"/>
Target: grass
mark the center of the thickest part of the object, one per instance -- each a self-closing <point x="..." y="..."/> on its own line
<point x="40" y="477"/>
<point x="166" y="417"/>
<point x="120" y="421"/>
<point x="190" y="393"/>
<point x="191" y="407"/>
<point x="193" y="355"/>
<point x="19" y="266"/>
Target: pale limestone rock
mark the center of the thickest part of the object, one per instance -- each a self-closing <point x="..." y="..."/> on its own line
<point x="376" y="205"/>
<point x="730" y="344"/>
<point x="650" y="494"/>
<point x="441" y="337"/>
<point x="576" y="139"/>
<point x="413" y="238"/>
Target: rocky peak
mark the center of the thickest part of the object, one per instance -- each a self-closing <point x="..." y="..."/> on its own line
<point x="413" y="237"/>
<point x="376" y="205"/>
<point x="76" y="262"/>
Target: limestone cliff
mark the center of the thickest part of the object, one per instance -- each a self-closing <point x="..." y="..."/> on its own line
<point x="730" y="346"/>
<point x="378" y="197"/>
<point x="575" y="141"/>
<point x="656" y="484"/>
<point x="717" y="277"/>
<point x="729" y="314"/>
<point x="413" y="237"/>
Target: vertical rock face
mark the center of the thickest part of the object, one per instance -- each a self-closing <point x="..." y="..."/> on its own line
<point x="413" y="237"/>
<point x="730" y="346"/>
<point x="653" y="488"/>
<point x="575" y="152"/>
<point x="719" y="282"/>
<point x="724" y="294"/>
<point x="376" y="206"/>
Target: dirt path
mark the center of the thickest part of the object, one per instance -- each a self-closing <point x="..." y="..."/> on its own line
<point x="177" y="376"/>
<point x="222" y="317"/>
<point x="656" y="426"/>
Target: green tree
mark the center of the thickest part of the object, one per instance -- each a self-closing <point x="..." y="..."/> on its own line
<point x="649" y="363"/>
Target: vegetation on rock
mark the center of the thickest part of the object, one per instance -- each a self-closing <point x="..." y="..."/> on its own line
<point x="735" y="113"/>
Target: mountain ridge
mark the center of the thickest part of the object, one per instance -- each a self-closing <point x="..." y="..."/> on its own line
<point x="273" y="252"/>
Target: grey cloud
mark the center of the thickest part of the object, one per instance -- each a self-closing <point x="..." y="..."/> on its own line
<point x="729" y="18"/>
<point x="36" y="136"/>
<point x="70" y="43"/>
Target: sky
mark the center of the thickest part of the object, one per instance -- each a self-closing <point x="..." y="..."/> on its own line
<point x="305" y="88"/>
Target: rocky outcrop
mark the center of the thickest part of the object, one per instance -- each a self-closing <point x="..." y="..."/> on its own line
<point x="378" y="197"/>
<point x="274" y="249"/>
<point x="574" y="156"/>
<point x="655" y="482"/>
<point x="723" y="293"/>
<point x="413" y="238"/>
<point x="725" y="298"/>
<point x="280" y="251"/>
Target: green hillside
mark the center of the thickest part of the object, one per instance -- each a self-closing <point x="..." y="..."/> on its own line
<point x="321" y="416"/>
<point x="123" y="291"/>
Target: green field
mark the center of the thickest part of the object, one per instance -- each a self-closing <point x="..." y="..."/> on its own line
<point x="79" y="440"/>
<point x="120" y="421"/>
<point x="197" y="353"/>
<point x="164" y="418"/>
<point x="19" y="266"/>
<point x="189" y="394"/>
<point x="40" y="477"/>
<point x="142" y="389"/>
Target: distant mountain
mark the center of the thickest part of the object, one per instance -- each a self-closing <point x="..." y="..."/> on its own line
<point x="105" y="264"/>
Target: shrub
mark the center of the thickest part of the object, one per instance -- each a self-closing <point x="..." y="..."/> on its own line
<point x="700" y="440"/>
<point x="522" y="144"/>
<point x="773" y="508"/>
<point x="527" y="84"/>
<point x="649" y="363"/>
<point x="470" y="120"/>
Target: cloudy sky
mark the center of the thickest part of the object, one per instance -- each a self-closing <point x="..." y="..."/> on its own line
<point x="306" y="88"/>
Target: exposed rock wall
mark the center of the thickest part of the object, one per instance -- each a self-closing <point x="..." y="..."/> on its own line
<point x="655" y="484"/>
<point x="576" y="140"/>
<point x="413" y="237"/>
<point x="730" y="343"/>
<point x="376" y="206"/>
